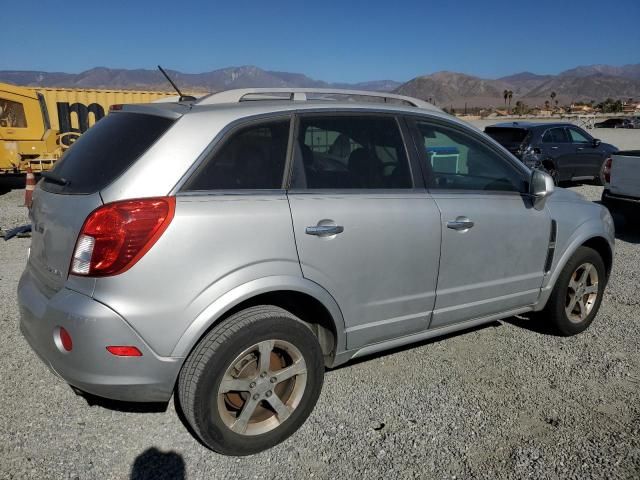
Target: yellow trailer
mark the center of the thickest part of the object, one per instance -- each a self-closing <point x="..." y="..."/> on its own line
<point x="38" y="124"/>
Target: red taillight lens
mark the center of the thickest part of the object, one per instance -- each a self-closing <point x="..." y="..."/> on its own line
<point x="606" y="170"/>
<point x="115" y="236"/>
<point x="124" y="351"/>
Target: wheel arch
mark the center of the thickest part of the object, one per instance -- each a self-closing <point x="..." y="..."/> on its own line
<point x="588" y="235"/>
<point x="303" y="298"/>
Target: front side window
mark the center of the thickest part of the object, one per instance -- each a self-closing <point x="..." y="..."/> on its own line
<point x="252" y="158"/>
<point x="555" y="135"/>
<point x="577" y="136"/>
<point x="12" y="114"/>
<point x="457" y="161"/>
<point x="350" y="152"/>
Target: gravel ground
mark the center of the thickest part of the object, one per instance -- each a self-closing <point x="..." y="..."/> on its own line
<point x="503" y="401"/>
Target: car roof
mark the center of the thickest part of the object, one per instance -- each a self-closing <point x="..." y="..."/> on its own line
<point x="530" y="125"/>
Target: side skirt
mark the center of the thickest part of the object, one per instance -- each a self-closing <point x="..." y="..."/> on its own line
<point x="344" y="357"/>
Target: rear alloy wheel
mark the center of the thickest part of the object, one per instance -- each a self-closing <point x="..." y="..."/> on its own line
<point x="252" y="381"/>
<point x="578" y="292"/>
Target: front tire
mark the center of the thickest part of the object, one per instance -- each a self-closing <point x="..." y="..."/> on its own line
<point x="577" y="294"/>
<point x="252" y="381"/>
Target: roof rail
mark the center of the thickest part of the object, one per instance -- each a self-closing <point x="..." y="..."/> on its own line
<point x="300" y="94"/>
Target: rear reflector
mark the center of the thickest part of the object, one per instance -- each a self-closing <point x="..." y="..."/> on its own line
<point x="65" y="339"/>
<point x="124" y="351"/>
<point x="115" y="236"/>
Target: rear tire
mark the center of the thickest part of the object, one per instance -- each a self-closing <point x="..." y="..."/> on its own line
<point x="239" y="405"/>
<point x="577" y="294"/>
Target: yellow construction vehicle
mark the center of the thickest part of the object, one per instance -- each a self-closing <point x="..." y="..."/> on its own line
<point x="38" y="124"/>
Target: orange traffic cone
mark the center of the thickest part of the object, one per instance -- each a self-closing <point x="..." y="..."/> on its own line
<point x="31" y="185"/>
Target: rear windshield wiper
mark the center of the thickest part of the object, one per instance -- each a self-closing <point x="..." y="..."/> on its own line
<point x="53" y="178"/>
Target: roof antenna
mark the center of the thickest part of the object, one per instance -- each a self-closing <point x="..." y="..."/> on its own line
<point x="183" y="98"/>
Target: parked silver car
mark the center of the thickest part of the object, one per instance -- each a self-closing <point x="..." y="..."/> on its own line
<point x="231" y="248"/>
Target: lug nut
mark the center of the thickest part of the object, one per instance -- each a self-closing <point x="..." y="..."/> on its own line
<point x="268" y="394"/>
<point x="273" y="380"/>
<point x="263" y="374"/>
<point x="256" y="396"/>
<point x="252" y="385"/>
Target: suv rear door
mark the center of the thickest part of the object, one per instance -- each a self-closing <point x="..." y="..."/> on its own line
<point x="363" y="230"/>
<point x="494" y="244"/>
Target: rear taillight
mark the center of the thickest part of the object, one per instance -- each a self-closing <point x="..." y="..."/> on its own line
<point x="115" y="236"/>
<point x="606" y="170"/>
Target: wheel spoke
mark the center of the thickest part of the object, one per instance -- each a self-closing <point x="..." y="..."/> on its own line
<point x="230" y="384"/>
<point x="572" y="304"/>
<point x="291" y="371"/>
<point x="282" y="411"/>
<point x="583" y="309"/>
<point x="585" y="274"/>
<point x="264" y="349"/>
<point x="589" y="289"/>
<point x="242" y="422"/>
<point x="573" y="284"/>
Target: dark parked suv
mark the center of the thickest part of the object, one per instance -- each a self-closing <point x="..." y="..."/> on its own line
<point x="564" y="150"/>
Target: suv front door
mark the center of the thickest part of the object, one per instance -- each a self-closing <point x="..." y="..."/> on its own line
<point x="586" y="156"/>
<point x="363" y="231"/>
<point x="494" y="243"/>
<point x="556" y="146"/>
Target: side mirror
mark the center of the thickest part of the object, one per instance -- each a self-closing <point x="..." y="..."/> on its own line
<point x="540" y="188"/>
<point x="596" y="142"/>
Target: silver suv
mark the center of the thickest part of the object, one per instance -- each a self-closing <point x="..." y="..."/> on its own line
<point x="230" y="249"/>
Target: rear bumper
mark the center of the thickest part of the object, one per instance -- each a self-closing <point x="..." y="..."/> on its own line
<point x="93" y="326"/>
<point x="608" y="196"/>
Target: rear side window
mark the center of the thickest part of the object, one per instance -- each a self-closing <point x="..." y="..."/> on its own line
<point x="507" y="136"/>
<point x="105" y="151"/>
<point x="253" y="158"/>
<point x="350" y="152"/>
<point x="555" y="135"/>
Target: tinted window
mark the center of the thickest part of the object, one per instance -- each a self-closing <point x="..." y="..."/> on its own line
<point x="459" y="162"/>
<point x="12" y="114"/>
<point x="350" y="152"/>
<point x="252" y="158"/>
<point x="106" y="150"/>
<point x="577" y="136"/>
<point x="507" y="136"/>
<point x="555" y="135"/>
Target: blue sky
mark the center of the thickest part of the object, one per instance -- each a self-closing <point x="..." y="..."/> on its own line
<point x="333" y="41"/>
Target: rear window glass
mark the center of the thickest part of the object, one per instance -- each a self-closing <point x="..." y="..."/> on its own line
<point x="506" y="136"/>
<point x="105" y="151"/>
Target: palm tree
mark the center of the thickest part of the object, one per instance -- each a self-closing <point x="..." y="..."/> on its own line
<point x="546" y="104"/>
<point x="509" y="96"/>
<point x="553" y="96"/>
<point x="505" y="94"/>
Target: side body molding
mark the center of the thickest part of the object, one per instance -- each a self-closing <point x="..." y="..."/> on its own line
<point x="251" y="289"/>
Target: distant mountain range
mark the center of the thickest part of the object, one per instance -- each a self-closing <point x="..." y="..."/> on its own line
<point x="583" y="83"/>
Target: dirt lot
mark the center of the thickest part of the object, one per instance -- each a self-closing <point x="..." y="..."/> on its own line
<point x="503" y="401"/>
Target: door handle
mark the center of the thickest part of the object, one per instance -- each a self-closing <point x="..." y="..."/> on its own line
<point x="554" y="148"/>
<point x="580" y="149"/>
<point x="460" y="224"/>
<point x="324" y="230"/>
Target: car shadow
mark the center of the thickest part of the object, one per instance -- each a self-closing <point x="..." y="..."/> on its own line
<point x="157" y="465"/>
<point x="122" y="406"/>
